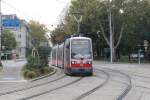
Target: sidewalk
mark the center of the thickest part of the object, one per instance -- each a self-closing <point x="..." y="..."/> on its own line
<point x="12" y="70"/>
<point x="142" y="69"/>
<point x="122" y="64"/>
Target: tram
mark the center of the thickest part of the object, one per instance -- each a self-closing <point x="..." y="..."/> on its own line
<point x="74" y="56"/>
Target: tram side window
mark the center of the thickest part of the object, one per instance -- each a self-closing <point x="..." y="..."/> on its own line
<point x="67" y="52"/>
<point x="54" y="54"/>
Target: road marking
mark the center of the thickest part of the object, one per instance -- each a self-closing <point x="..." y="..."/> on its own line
<point x="9" y="78"/>
<point x="15" y="81"/>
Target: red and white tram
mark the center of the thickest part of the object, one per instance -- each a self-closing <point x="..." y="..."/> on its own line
<point x="74" y="55"/>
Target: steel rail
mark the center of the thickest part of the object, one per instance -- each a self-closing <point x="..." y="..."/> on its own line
<point x="34" y="86"/>
<point x="129" y="85"/>
<point x="46" y="92"/>
<point x="96" y="88"/>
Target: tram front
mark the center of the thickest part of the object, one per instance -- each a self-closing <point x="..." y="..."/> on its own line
<point x="81" y="56"/>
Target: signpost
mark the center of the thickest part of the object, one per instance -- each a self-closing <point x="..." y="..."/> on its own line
<point x="139" y="55"/>
<point x="145" y="45"/>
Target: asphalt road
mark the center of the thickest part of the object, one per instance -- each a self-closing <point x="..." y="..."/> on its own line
<point x="140" y="78"/>
<point x="108" y="83"/>
<point x="11" y="71"/>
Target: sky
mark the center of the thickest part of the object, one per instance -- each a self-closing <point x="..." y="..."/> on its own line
<point x="45" y="11"/>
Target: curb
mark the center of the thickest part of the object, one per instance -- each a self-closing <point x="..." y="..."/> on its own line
<point x="41" y="77"/>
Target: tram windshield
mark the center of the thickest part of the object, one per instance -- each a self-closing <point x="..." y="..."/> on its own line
<point x="81" y="49"/>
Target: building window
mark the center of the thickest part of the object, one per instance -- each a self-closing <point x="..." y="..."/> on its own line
<point x="19" y="35"/>
<point x="20" y="50"/>
<point x="19" y="44"/>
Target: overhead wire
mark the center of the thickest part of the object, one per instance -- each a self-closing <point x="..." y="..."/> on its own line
<point x="21" y="12"/>
<point x="64" y="11"/>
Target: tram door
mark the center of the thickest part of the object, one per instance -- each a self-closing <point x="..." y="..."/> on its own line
<point x="67" y="54"/>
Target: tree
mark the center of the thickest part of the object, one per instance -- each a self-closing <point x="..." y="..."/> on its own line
<point x="40" y="42"/>
<point x="58" y="34"/>
<point x="8" y="40"/>
<point x="138" y="24"/>
<point x="127" y="23"/>
<point x="38" y="32"/>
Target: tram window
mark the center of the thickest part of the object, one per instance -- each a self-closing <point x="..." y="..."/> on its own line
<point x="81" y="49"/>
<point x="67" y="44"/>
<point x="67" y="52"/>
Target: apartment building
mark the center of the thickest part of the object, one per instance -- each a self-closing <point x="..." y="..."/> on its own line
<point x="21" y="32"/>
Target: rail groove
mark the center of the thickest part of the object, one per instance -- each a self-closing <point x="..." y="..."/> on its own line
<point x="96" y="88"/>
<point x="26" y="88"/>
<point x="129" y="85"/>
<point x="33" y="96"/>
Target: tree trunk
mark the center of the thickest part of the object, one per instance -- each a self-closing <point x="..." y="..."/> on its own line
<point x="114" y="54"/>
<point x="113" y="49"/>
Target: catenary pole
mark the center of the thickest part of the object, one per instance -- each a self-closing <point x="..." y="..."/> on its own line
<point x="111" y="34"/>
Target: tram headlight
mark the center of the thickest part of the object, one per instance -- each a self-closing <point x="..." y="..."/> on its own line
<point x="89" y="62"/>
<point x="73" y="62"/>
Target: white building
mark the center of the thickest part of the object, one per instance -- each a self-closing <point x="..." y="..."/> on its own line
<point x="21" y="33"/>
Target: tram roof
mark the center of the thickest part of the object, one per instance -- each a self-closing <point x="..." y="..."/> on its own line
<point x="79" y="38"/>
<point x="71" y="38"/>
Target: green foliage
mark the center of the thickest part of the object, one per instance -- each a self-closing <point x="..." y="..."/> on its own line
<point x="46" y="70"/>
<point x="58" y="34"/>
<point x="38" y="65"/>
<point x="38" y="32"/>
<point x="132" y="15"/>
<point x="44" y="52"/>
<point x="33" y="73"/>
<point x="25" y="71"/>
<point x="39" y="62"/>
<point x="8" y="40"/>
<point x="30" y="74"/>
<point x="33" y="62"/>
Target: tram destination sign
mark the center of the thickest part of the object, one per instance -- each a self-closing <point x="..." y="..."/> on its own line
<point x="80" y="42"/>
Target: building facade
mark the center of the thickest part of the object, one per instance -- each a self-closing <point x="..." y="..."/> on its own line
<point x="21" y="32"/>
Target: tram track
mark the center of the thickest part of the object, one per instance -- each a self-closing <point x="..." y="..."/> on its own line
<point x="34" y="86"/>
<point x="135" y="76"/>
<point x="138" y="77"/>
<point x="120" y="97"/>
<point x="106" y="71"/>
<point x="129" y="84"/>
<point x="51" y="90"/>
<point x="96" y="88"/>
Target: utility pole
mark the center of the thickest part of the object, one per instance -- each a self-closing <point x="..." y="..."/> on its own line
<point x="111" y="34"/>
<point x="0" y="29"/>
